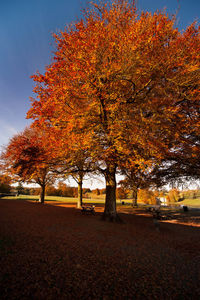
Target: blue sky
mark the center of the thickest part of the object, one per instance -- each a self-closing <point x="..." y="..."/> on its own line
<point x="27" y="44"/>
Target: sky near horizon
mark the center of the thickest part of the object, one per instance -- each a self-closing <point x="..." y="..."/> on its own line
<point x="26" y="28"/>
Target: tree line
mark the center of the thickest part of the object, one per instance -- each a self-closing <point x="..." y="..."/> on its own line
<point x="120" y="96"/>
<point x="145" y="196"/>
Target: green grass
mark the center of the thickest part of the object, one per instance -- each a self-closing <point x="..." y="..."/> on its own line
<point x="190" y="202"/>
<point x="21" y="197"/>
<point x="94" y="199"/>
<point x="47" y="198"/>
<point x="55" y="198"/>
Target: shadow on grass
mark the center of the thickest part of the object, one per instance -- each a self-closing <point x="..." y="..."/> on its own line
<point x="18" y="198"/>
<point x="34" y="199"/>
<point x="190" y="218"/>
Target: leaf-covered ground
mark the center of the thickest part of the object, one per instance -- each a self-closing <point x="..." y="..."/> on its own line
<point x="54" y="252"/>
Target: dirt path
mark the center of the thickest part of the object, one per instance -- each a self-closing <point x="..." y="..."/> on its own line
<point x="54" y="252"/>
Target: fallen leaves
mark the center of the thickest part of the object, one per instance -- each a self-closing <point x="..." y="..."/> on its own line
<point x="58" y="253"/>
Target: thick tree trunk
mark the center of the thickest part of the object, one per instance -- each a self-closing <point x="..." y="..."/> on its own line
<point x="42" y="193"/>
<point x="135" y="195"/>
<point x="80" y="192"/>
<point x="110" y="212"/>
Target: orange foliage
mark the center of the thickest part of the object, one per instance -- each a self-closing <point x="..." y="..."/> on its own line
<point x="125" y="84"/>
<point x="146" y="196"/>
<point x="27" y="158"/>
<point x="5" y="183"/>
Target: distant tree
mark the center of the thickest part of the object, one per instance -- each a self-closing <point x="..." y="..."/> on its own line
<point x="173" y="195"/>
<point x="27" y="158"/>
<point x="137" y="175"/>
<point x="194" y="194"/>
<point x="66" y="191"/>
<point x="102" y="191"/>
<point x="121" y="193"/>
<point x="34" y="191"/>
<point x="97" y="192"/>
<point x="52" y="191"/>
<point x="20" y="188"/>
<point x="146" y="196"/>
<point x="62" y="188"/>
<point x="26" y="191"/>
<point x="86" y="190"/>
<point x="5" y="184"/>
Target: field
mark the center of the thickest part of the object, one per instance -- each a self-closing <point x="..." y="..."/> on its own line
<point x="92" y="199"/>
<point x="53" y="251"/>
<point x="191" y="202"/>
<point x="97" y="199"/>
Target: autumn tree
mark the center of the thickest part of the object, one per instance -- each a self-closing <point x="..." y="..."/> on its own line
<point x="71" y="153"/>
<point x="5" y="183"/>
<point x="146" y="196"/>
<point x="173" y="195"/>
<point x="67" y="191"/>
<point x="51" y="190"/>
<point x="27" y="159"/>
<point x="122" y="192"/>
<point x="128" y="80"/>
<point x="136" y="176"/>
<point x="78" y="165"/>
<point x="96" y="192"/>
<point x="20" y="188"/>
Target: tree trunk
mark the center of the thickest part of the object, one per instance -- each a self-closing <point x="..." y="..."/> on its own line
<point x="80" y="192"/>
<point x="110" y="212"/>
<point x="42" y="193"/>
<point x="135" y="195"/>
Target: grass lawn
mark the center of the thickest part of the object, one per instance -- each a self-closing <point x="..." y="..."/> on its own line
<point x="191" y="202"/>
<point x="94" y="199"/>
<point x="54" y="198"/>
<point x="100" y="199"/>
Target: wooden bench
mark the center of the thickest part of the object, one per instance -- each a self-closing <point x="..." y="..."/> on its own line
<point x="88" y="209"/>
<point x="157" y="214"/>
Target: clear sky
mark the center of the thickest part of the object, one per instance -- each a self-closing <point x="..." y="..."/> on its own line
<point x="26" y="45"/>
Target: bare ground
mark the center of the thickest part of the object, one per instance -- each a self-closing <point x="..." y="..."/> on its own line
<point x="54" y="252"/>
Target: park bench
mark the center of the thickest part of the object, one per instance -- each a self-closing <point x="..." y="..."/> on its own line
<point x="88" y="209"/>
<point x="158" y="214"/>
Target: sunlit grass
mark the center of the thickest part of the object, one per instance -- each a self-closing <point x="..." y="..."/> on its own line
<point x="56" y="198"/>
<point x="98" y="199"/>
<point x="190" y="202"/>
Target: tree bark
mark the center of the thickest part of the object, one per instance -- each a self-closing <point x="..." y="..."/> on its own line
<point x="80" y="192"/>
<point x="42" y="193"/>
<point x="110" y="212"/>
<point x="134" y="195"/>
